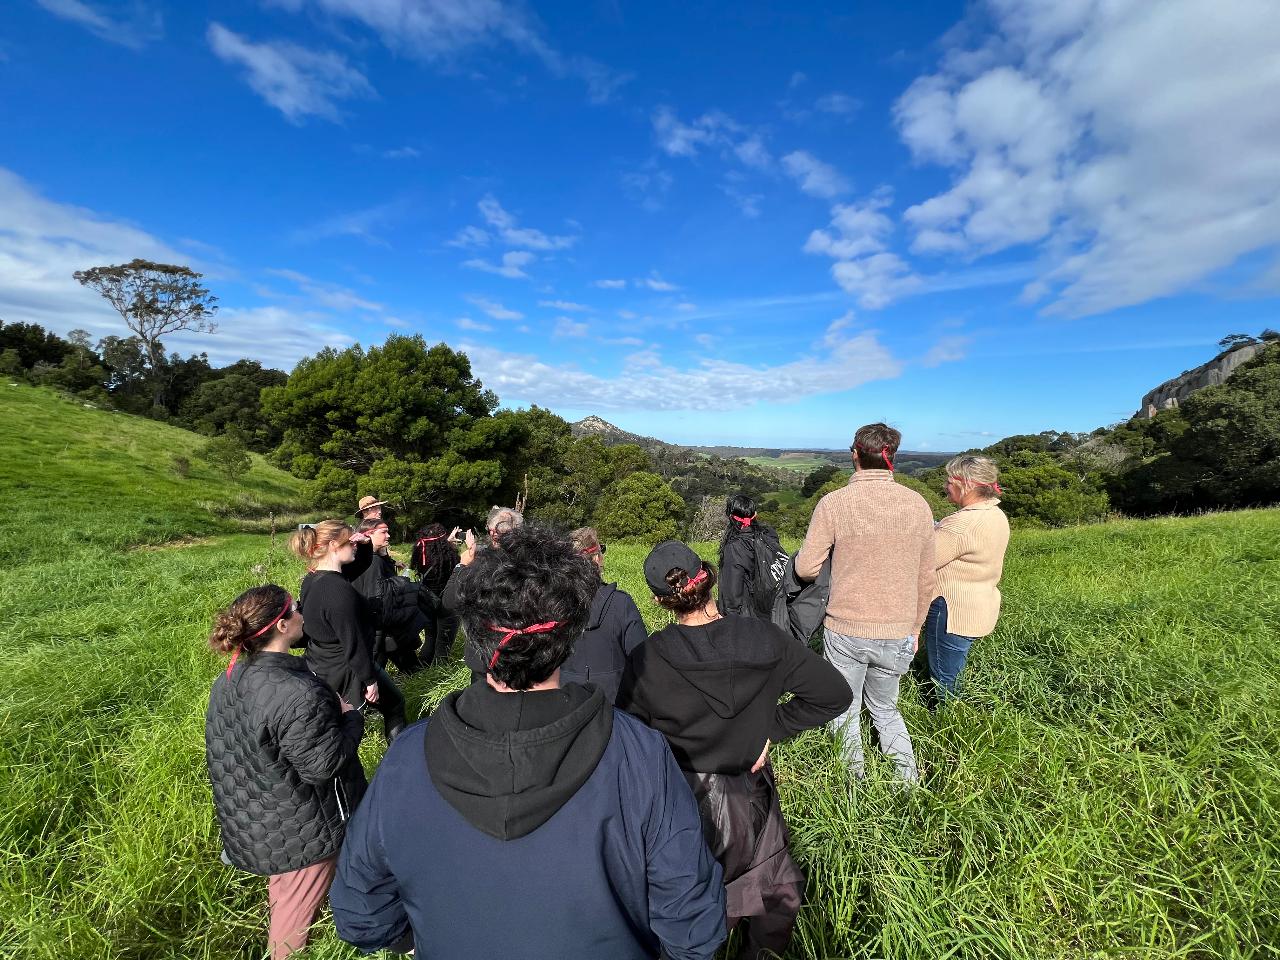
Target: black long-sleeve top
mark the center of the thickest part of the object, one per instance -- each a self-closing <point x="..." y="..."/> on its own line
<point x="713" y="690"/>
<point x="340" y="627"/>
<point x="737" y="571"/>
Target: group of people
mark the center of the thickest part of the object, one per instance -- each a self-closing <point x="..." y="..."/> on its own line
<point x="595" y="791"/>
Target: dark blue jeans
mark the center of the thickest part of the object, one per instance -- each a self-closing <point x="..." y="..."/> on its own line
<point x="946" y="652"/>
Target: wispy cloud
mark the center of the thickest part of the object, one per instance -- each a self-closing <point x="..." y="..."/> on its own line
<point x="505" y="225"/>
<point x="816" y="178"/>
<point x="655" y="282"/>
<point x="443" y="31"/>
<point x="330" y="295"/>
<point x="649" y="384"/>
<point x="135" y="30"/>
<point x="712" y="129"/>
<point x="610" y="284"/>
<point x="401" y="153"/>
<point x="511" y="267"/>
<point x="296" y="81"/>
<point x="356" y="223"/>
<point x="568" y="327"/>
<point x="494" y="309"/>
<point x="470" y="237"/>
<point x="568" y="305"/>
<point x="948" y="349"/>
<point x="466" y="323"/>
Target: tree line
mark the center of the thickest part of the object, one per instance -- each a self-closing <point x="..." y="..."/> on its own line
<point x="410" y="422"/>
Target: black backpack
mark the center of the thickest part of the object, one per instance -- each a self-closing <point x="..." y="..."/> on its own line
<point x="771" y="565"/>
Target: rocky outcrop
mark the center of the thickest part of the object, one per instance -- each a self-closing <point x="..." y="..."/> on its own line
<point x="1173" y="392"/>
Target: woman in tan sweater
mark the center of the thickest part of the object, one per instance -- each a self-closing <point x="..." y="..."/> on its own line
<point x="969" y="551"/>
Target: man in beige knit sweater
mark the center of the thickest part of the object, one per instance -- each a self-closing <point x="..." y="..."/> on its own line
<point x="879" y="535"/>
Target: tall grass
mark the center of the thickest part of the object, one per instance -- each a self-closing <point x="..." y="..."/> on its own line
<point x="1108" y="788"/>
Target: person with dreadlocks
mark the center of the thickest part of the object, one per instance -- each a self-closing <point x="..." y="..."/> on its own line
<point x="710" y="684"/>
<point x="283" y="761"/>
<point x="879" y="537"/>
<point x="433" y="560"/>
<point x="555" y="826"/>
<point x="969" y="546"/>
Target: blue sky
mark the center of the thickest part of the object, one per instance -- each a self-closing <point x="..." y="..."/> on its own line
<point x="714" y="223"/>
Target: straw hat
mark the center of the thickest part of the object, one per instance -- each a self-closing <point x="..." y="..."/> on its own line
<point x="368" y="503"/>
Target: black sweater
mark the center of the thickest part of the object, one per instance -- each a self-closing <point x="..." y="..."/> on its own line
<point x="340" y="628"/>
<point x="713" y="691"/>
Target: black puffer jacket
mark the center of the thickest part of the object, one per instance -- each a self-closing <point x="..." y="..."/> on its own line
<point x="283" y="764"/>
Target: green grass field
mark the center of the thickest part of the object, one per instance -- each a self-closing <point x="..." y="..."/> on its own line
<point x="795" y="462"/>
<point x="1110" y="788"/>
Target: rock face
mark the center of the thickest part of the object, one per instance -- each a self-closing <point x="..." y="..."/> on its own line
<point x="612" y="436"/>
<point x="1173" y="392"/>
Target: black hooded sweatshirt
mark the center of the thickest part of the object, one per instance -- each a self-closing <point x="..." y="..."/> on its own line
<point x="614" y="629"/>
<point x="713" y="691"/>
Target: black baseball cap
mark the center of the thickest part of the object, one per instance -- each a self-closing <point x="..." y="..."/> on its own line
<point x="665" y="557"/>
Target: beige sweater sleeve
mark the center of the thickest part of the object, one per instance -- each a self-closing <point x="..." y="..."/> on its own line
<point x="928" y="587"/>
<point x="817" y="545"/>
<point x="947" y="544"/>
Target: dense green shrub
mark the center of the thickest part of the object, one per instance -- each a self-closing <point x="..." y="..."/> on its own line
<point x="641" y="506"/>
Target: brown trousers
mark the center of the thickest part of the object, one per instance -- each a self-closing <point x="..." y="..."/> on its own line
<point x="295" y="899"/>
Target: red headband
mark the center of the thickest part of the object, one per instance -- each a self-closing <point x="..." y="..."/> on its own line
<point x="745" y="521"/>
<point x="509" y="632"/>
<point x="588" y="551"/>
<point x="884" y="454"/>
<point x="288" y="605"/>
<point x="694" y="581"/>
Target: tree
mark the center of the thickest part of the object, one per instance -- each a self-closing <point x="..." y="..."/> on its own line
<point x="641" y="507"/>
<point x="1232" y="340"/>
<point x="154" y="300"/>
<point x="819" y="478"/>
<point x="227" y="455"/>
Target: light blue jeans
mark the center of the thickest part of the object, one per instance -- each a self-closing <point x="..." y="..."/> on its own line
<point x="873" y="668"/>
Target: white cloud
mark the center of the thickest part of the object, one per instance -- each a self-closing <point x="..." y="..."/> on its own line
<point x="511" y="267"/>
<point x="401" y="153"/>
<point x="363" y="224"/>
<point x="565" y="305"/>
<point x="877" y="280"/>
<point x="687" y="307"/>
<point x="627" y="314"/>
<point x="494" y="309"/>
<point x="948" y="349"/>
<point x="833" y="334"/>
<point x="856" y="239"/>
<point x="330" y="295"/>
<point x="442" y="31"/>
<point x="797" y="79"/>
<point x="708" y="385"/>
<point x="470" y="237"/>
<point x="134" y="31"/>
<point x="610" y="284"/>
<point x="815" y="178"/>
<point x="839" y="104"/>
<point x="1131" y="144"/>
<point x="43" y="242"/>
<point x="466" y="323"/>
<point x="568" y="327"/>
<point x="505" y="226"/>
<point x="856" y="229"/>
<point x="713" y="129"/>
<point x="296" y="81"/>
<point x="747" y="203"/>
<point x="655" y="282"/>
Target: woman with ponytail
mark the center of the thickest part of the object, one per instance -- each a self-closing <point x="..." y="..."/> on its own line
<point x="340" y="625"/>
<point x="743" y="536"/>
<point x="283" y="763"/>
<point x="710" y="683"/>
<point x="434" y="557"/>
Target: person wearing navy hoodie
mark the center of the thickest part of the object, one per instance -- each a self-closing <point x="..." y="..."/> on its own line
<point x="710" y="683"/>
<point x="614" y="629"/>
<point x="526" y="819"/>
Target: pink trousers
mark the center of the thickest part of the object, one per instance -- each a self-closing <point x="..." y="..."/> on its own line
<point x="295" y="899"/>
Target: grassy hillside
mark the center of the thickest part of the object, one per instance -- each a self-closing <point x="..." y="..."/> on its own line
<point x="74" y="476"/>
<point x="1110" y="788"/>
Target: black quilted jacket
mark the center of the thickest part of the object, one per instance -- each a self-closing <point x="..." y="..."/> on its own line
<point x="283" y="764"/>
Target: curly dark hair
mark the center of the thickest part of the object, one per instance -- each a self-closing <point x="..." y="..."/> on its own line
<point x="687" y="599"/>
<point x="433" y="557"/>
<point x="536" y="578"/>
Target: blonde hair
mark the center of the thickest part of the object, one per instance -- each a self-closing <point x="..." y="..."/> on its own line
<point x="977" y="471"/>
<point x="309" y="542"/>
